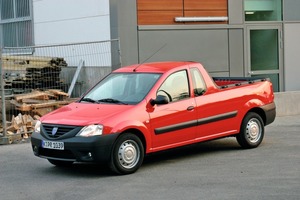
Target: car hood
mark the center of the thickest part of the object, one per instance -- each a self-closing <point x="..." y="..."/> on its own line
<point x="82" y="114"/>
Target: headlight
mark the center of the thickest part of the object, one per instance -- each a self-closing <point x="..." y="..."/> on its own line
<point x="37" y="127"/>
<point x="90" y="130"/>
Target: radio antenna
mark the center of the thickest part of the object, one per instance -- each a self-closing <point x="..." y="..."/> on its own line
<point x="150" y="57"/>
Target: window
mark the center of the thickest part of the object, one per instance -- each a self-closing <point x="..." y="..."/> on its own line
<point x="263" y="10"/>
<point x="16" y="23"/>
<point x="198" y="82"/>
<point x="175" y="87"/>
<point x="129" y="88"/>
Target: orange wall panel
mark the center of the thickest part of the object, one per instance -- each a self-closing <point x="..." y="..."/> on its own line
<point x="158" y="17"/>
<point x="205" y="4"/>
<point x="205" y="13"/>
<point x="163" y="12"/>
<point x="160" y="5"/>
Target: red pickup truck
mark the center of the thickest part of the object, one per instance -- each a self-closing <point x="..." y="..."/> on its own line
<point x="145" y="108"/>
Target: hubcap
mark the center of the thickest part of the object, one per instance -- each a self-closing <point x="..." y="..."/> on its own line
<point x="129" y="154"/>
<point x="253" y="130"/>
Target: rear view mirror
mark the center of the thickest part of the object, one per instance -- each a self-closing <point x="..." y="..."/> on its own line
<point x="160" y="99"/>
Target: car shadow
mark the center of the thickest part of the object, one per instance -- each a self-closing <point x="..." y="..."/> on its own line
<point x="193" y="151"/>
<point x="180" y="153"/>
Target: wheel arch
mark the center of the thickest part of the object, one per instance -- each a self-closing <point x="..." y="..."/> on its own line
<point x="260" y="112"/>
<point x="138" y="133"/>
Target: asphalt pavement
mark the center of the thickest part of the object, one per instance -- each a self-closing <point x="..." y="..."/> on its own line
<point x="217" y="169"/>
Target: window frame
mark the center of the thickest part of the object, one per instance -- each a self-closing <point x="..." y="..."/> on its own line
<point x="203" y="83"/>
<point x="168" y="92"/>
<point x="13" y="20"/>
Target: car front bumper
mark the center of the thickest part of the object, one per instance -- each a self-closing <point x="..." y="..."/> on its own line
<point x="77" y="149"/>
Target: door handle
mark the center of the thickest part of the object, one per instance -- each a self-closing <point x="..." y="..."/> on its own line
<point x="190" y="108"/>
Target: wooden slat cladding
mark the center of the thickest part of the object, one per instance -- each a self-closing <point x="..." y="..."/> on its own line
<point x="206" y="8"/>
<point x="163" y="12"/>
<point x="206" y="13"/>
<point x="157" y="17"/>
<point x="205" y="5"/>
<point x="155" y="5"/>
<point x="159" y="12"/>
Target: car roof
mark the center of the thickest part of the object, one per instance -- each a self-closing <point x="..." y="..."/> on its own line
<point x="154" y="67"/>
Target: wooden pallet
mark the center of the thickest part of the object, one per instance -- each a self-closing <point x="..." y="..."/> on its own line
<point x="40" y="102"/>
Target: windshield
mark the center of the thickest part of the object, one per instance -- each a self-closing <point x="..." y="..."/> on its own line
<point x="122" y="88"/>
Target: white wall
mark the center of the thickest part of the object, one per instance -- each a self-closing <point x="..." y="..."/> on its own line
<point x="291" y="56"/>
<point x="71" y="21"/>
<point x="64" y="21"/>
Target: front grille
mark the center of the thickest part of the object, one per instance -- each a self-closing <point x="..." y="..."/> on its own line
<point x="63" y="154"/>
<point x="54" y="131"/>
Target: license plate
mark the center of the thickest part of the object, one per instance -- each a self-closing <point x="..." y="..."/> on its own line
<point x="53" y="145"/>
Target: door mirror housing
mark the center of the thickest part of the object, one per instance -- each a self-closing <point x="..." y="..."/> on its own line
<point x="160" y="99"/>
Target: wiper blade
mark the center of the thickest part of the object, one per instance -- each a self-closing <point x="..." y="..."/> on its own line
<point x="89" y="100"/>
<point x="109" y="100"/>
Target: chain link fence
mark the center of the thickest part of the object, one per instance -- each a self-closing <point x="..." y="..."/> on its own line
<point x="39" y="79"/>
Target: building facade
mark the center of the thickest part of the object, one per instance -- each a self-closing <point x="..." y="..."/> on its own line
<point x="230" y="37"/>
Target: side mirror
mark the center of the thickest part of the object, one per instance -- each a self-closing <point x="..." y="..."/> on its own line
<point x="160" y="99"/>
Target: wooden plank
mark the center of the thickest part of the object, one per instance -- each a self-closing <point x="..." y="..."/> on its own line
<point x="15" y="67"/>
<point x="21" y="106"/>
<point x="33" y="95"/>
<point x="205" y="5"/>
<point x="43" y="111"/>
<point x="58" y="92"/>
<point x="35" y="58"/>
<point x="33" y="101"/>
<point x="162" y="5"/>
<point x="206" y="13"/>
<point x="158" y="17"/>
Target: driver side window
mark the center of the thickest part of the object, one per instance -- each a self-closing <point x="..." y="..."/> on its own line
<point x="175" y="87"/>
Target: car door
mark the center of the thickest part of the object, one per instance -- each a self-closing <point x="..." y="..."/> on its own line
<point x="216" y="112"/>
<point x="173" y="124"/>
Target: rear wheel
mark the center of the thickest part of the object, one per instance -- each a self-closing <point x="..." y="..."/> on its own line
<point x="60" y="163"/>
<point x="127" y="155"/>
<point x="252" y="131"/>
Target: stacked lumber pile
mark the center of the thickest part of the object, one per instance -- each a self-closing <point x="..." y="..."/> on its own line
<point x="24" y="73"/>
<point x="40" y="102"/>
<point x="22" y="125"/>
<point x="19" y="128"/>
<point x="23" y="62"/>
<point x="31" y="107"/>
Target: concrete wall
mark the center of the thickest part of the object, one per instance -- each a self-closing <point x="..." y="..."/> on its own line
<point x="287" y="103"/>
<point x="87" y="78"/>
<point x="291" y="56"/>
<point x="210" y="47"/>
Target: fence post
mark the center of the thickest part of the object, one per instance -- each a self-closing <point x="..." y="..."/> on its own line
<point x="3" y="110"/>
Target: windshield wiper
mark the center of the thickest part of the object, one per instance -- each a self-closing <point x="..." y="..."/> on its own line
<point x="109" y="100"/>
<point x="89" y="100"/>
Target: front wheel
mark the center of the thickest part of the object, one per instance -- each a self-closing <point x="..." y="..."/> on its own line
<point x="251" y="132"/>
<point x="127" y="155"/>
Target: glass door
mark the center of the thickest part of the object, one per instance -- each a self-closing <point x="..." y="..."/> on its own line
<point x="264" y="53"/>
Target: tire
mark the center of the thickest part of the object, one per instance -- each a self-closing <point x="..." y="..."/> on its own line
<point x="60" y="163"/>
<point x="127" y="154"/>
<point x="251" y="132"/>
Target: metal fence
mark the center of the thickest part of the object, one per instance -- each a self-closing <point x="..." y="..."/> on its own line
<point x="39" y="79"/>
